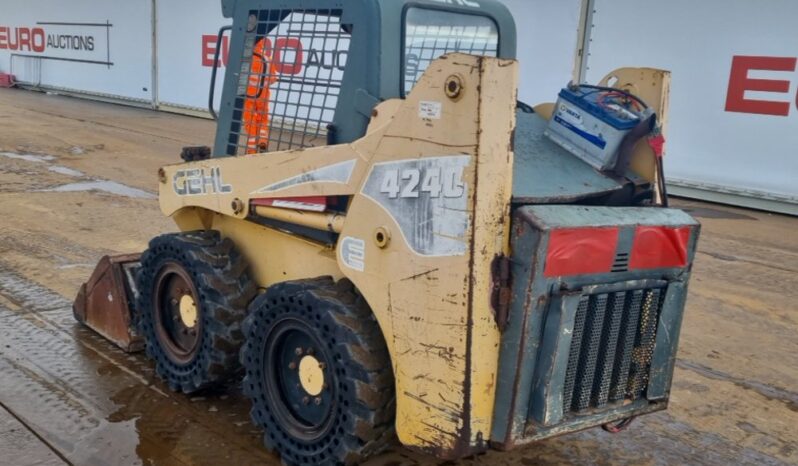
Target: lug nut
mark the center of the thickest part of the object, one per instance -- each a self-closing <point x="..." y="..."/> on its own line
<point x="322" y="366"/>
<point x="317" y="400"/>
<point x="310" y="351"/>
<point x="298" y="351"/>
<point x="305" y="400"/>
<point x="174" y="301"/>
<point x="292" y="365"/>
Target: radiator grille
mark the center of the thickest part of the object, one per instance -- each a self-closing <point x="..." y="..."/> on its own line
<point x="611" y="350"/>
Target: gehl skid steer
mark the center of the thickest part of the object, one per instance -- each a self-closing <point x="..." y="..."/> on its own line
<point x="388" y="243"/>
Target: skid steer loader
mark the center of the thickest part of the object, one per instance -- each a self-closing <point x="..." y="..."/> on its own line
<point x="408" y="249"/>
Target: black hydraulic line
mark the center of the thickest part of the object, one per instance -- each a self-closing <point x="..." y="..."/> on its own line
<point x="661" y="180"/>
<point x="215" y="66"/>
<point x="629" y="141"/>
<point x="524" y="107"/>
<point x="614" y="89"/>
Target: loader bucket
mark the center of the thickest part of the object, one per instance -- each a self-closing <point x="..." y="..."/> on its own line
<point x="106" y="303"/>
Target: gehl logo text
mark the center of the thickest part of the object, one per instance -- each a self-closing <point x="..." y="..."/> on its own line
<point x="198" y="181"/>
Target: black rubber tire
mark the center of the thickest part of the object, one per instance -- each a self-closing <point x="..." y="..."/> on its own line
<point x="362" y="421"/>
<point x="219" y="274"/>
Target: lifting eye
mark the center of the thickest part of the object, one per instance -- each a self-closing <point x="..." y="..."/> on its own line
<point x="237" y="205"/>
<point x="382" y="237"/>
<point x="454" y="86"/>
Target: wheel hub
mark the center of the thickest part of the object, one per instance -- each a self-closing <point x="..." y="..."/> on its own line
<point x="298" y="379"/>
<point x="188" y="311"/>
<point x="311" y="375"/>
<point x="177" y="314"/>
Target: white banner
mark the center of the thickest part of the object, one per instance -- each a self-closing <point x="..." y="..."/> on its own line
<point x="90" y="46"/>
<point x="547" y="37"/>
<point x="105" y="47"/>
<point x="187" y="31"/>
<point x="547" y="40"/>
<point x="734" y="111"/>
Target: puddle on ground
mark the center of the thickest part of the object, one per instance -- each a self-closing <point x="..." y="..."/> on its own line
<point x="65" y="171"/>
<point x="28" y="157"/>
<point x="107" y="186"/>
<point x="111" y="187"/>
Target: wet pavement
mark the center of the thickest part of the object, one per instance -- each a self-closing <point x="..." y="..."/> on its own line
<point x="77" y="181"/>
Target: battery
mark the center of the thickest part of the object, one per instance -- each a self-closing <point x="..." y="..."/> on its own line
<point x="589" y="127"/>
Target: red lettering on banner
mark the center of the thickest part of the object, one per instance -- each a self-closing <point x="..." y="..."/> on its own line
<point x="209" y="49"/>
<point x="3" y="37"/>
<point x="13" y="38"/>
<point x="23" y="37"/>
<point x="739" y="83"/>
<point x="37" y="33"/>
<point x="283" y="45"/>
<point x="279" y="51"/>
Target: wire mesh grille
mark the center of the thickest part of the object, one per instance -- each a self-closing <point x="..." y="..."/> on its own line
<point x="611" y="348"/>
<point x="289" y="82"/>
<point x="429" y="34"/>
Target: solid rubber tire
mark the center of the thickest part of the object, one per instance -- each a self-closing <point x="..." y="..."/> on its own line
<point x="219" y="274"/>
<point x="364" y="416"/>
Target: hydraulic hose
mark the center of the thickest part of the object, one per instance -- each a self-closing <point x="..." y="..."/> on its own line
<point x="629" y="141"/>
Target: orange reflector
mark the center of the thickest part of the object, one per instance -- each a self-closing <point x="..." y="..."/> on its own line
<point x="659" y="247"/>
<point x="581" y="251"/>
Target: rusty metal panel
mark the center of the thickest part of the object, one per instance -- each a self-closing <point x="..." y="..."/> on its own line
<point x="580" y="350"/>
<point x="106" y="302"/>
<point x="547" y="406"/>
<point x="546" y="173"/>
<point x="667" y="341"/>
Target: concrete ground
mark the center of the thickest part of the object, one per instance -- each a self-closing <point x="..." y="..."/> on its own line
<point x="78" y="180"/>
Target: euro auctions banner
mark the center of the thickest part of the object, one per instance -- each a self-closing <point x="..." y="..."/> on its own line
<point x="60" y="40"/>
<point x="733" y="125"/>
<point x="93" y="46"/>
<point x="106" y="47"/>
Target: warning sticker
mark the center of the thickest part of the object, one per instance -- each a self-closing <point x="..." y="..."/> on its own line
<point x="429" y="110"/>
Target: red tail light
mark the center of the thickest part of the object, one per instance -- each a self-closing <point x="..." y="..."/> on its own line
<point x="659" y="247"/>
<point x="581" y="251"/>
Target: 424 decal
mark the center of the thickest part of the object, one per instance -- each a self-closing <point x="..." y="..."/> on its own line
<point x="412" y="182"/>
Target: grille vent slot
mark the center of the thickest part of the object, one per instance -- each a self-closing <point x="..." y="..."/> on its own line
<point x="621" y="263"/>
<point x="611" y="349"/>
